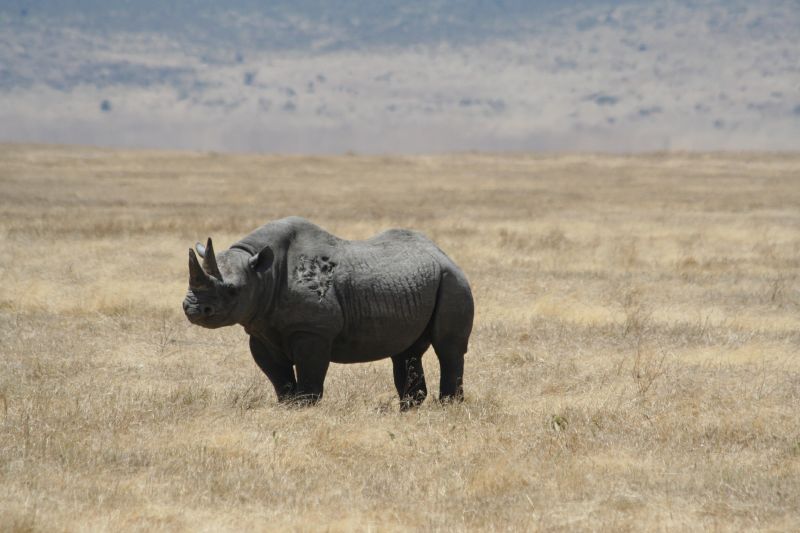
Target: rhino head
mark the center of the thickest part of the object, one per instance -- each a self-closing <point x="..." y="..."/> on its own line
<point x="225" y="290"/>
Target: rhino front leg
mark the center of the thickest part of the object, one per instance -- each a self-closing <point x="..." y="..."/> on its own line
<point x="277" y="368"/>
<point x="312" y="356"/>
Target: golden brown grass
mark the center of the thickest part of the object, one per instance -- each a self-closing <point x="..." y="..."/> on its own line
<point x="634" y="364"/>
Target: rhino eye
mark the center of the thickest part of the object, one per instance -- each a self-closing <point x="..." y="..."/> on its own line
<point x="232" y="291"/>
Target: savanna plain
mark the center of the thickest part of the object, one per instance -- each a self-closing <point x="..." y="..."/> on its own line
<point x="635" y="361"/>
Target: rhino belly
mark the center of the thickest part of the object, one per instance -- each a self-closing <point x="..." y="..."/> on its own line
<point x="377" y="339"/>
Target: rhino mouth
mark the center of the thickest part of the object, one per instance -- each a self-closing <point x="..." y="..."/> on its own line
<point x="195" y="313"/>
<point x="206" y="315"/>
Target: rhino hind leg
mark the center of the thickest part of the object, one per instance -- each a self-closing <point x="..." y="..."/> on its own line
<point x="409" y="377"/>
<point x="451" y="327"/>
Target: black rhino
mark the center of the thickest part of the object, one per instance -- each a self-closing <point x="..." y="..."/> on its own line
<point x="307" y="298"/>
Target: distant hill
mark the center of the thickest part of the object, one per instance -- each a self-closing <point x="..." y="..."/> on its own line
<point x="402" y="76"/>
<point x="300" y="24"/>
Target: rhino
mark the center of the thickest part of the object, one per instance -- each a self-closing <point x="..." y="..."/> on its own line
<point x="307" y="298"/>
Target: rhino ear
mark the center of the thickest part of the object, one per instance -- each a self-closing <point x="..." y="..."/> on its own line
<point x="262" y="261"/>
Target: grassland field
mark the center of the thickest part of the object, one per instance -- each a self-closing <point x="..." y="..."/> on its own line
<point x="635" y="362"/>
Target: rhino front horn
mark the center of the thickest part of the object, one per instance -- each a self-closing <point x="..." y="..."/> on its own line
<point x="210" y="261"/>
<point x="197" y="278"/>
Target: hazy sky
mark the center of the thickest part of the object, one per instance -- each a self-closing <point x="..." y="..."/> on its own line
<point x="316" y="76"/>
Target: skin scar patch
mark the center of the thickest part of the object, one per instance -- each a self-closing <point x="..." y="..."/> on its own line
<point x="315" y="273"/>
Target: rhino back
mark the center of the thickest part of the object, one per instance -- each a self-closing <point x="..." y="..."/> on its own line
<point x="281" y="234"/>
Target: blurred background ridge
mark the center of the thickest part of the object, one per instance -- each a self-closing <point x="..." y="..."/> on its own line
<point x="314" y="76"/>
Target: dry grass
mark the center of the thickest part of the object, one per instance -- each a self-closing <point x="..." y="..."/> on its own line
<point x="634" y="364"/>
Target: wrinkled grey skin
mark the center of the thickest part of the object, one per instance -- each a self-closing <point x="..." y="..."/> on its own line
<point x="307" y="298"/>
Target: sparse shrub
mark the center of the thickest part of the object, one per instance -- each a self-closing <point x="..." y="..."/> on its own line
<point x="558" y="422"/>
<point x="648" y="366"/>
<point x="637" y="314"/>
<point x="166" y="334"/>
<point x="779" y="289"/>
<point x="251" y="395"/>
<point x="189" y="397"/>
<point x="687" y="266"/>
<point x="18" y="523"/>
<point x="553" y="239"/>
<point x="514" y="240"/>
<point x="628" y="253"/>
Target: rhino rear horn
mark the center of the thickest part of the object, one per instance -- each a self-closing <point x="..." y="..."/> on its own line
<point x="210" y="261"/>
<point x="197" y="277"/>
